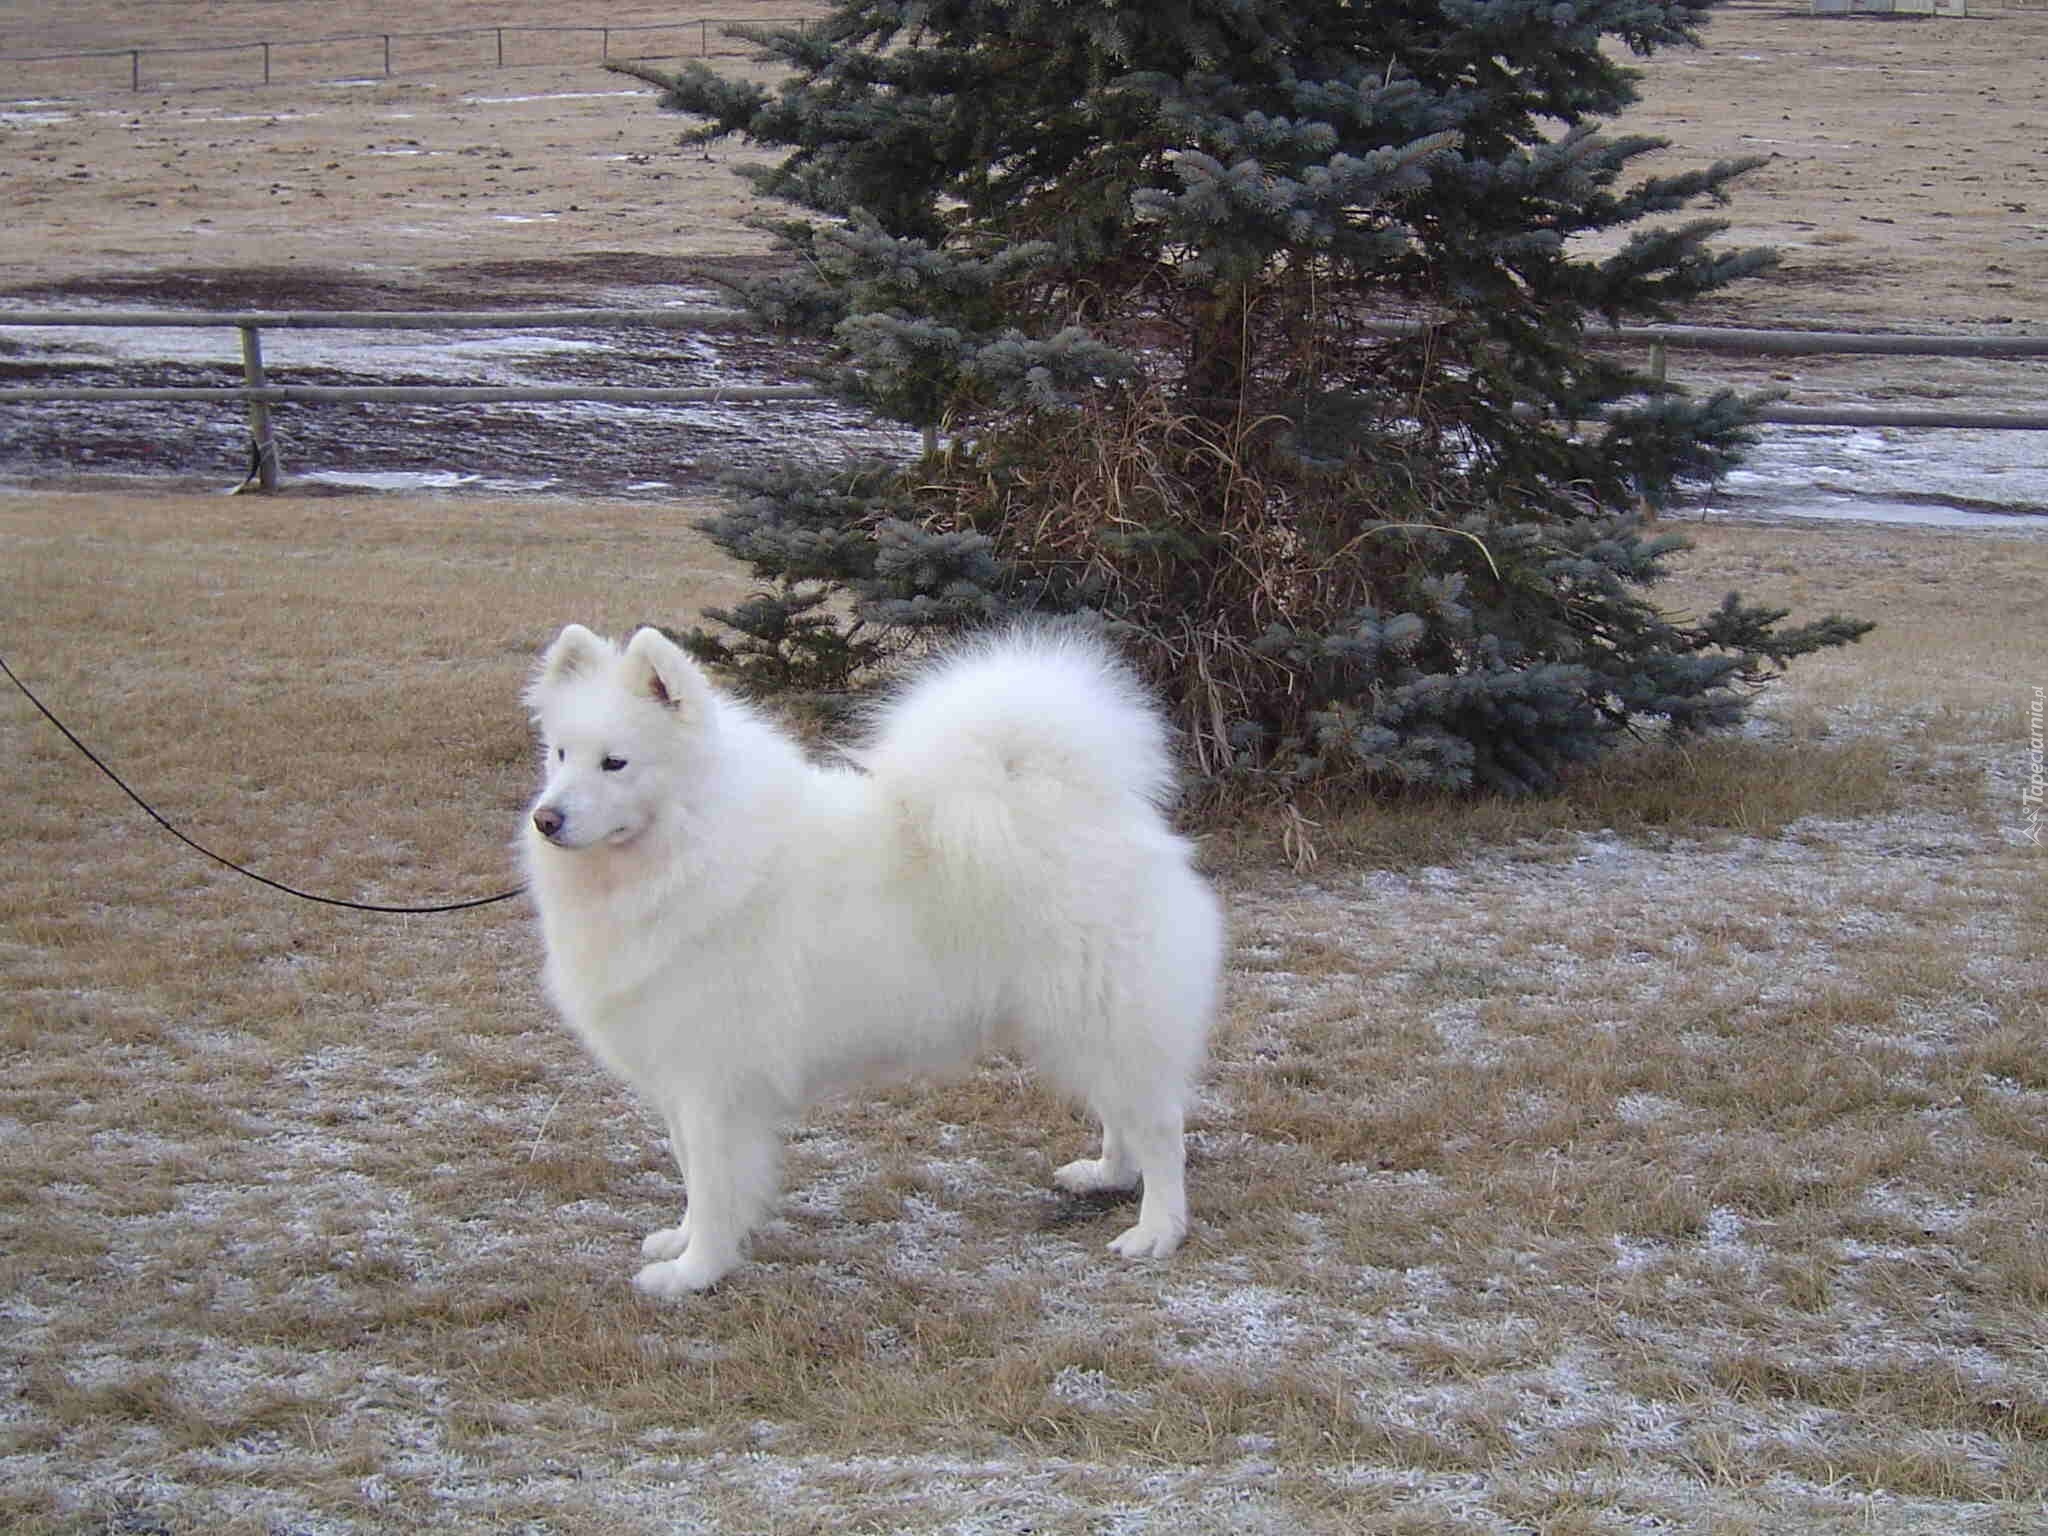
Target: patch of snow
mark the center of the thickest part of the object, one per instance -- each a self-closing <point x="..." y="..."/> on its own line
<point x="1647" y="1109"/>
<point x="421" y="480"/>
<point x="1946" y="478"/>
<point x="1094" y="1390"/>
<point x="497" y="101"/>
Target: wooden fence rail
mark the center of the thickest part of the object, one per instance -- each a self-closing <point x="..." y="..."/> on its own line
<point x="683" y="317"/>
<point x="259" y="394"/>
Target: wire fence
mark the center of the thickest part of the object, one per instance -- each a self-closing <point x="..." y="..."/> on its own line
<point x="362" y="56"/>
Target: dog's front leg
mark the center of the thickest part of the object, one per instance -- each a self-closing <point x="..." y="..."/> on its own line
<point x="731" y="1154"/>
<point x="669" y="1242"/>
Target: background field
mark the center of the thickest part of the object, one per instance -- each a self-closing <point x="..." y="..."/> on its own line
<point x="1905" y="179"/>
<point x="1669" y="1156"/>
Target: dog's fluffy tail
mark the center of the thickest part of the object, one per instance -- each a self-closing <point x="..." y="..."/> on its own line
<point x="1013" y="744"/>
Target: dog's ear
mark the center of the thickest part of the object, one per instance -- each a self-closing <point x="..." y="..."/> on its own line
<point x="574" y="653"/>
<point x="662" y="670"/>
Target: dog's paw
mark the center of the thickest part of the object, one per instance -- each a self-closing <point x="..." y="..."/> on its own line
<point x="667" y="1243"/>
<point x="680" y="1277"/>
<point x="1147" y="1242"/>
<point x="1091" y="1176"/>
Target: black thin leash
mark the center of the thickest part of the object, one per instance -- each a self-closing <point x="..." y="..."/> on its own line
<point x="276" y="885"/>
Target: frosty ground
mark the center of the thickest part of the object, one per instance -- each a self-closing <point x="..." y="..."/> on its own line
<point x="1666" y="1156"/>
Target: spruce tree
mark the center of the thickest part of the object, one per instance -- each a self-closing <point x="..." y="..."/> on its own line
<point x="1265" y="331"/>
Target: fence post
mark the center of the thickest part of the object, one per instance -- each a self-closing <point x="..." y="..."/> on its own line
<point x="387" y="55"/>
<point x="266" y="63"/>
<point x="135" y="69"/>
<point x="704" y="39"/>
<point x="604" y="43"/>
<point x="501" y="47"/>
<point x="262" y="446"/>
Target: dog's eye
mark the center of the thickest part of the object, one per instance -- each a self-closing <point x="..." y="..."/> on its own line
<point x="612" y="764"/>
<point x="560" y="753"/>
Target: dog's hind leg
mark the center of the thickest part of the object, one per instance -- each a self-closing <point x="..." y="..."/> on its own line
<point x="669" y="1242"/>
<point x="1143" y="1147"/>
<point x="733" y="1156"/>
<point x="1153" y="1140"/>
<point x="1114" y="1171"/>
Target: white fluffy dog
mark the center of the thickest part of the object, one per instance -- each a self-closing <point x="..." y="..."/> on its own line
<point x="736" y="931"/>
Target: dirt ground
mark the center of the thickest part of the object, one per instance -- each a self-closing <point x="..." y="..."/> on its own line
<point x="349" y="186"/>
<point x="1907" y="186"/>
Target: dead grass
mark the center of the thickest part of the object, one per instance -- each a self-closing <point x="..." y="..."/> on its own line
<point x="1669" y="1154"/>
<point x="1904" y="716"/>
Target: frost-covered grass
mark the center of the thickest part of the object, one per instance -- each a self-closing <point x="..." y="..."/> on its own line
<point x="1670" y="1156"/>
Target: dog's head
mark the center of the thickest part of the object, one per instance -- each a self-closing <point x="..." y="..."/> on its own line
<point x="616" y="726"/>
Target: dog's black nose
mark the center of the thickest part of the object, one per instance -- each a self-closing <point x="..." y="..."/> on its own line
<point x="548" y="821"/>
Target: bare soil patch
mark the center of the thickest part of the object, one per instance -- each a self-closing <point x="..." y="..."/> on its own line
<point x="1907" y="157"/>
<point x="516" y="173"/>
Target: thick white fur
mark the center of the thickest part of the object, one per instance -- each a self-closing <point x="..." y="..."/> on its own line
<point x="736" y="931"/>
